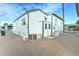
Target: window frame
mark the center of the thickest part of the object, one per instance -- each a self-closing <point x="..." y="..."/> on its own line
<point x="49" y="26"/>
<point x="23" y="21"/>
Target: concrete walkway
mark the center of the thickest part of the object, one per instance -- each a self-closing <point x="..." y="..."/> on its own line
<point x="13" y="45"/>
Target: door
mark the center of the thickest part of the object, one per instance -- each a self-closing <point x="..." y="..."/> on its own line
<point x="47" y="29"/>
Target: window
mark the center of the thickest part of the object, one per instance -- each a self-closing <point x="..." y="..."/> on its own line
<point x="23" y="21"/>
<point x="45" y="26"/>
<point x="49" y="26"/>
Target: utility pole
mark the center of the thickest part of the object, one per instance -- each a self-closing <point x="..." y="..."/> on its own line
<point x="28" y="26"/>
<point x="63" y="15"/>
<point x="63" y="10"/>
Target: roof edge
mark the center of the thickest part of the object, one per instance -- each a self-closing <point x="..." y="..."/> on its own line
<point x="29" y="11"/>
<point x="58" y="16"/>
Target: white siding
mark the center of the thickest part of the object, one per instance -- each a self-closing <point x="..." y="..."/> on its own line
<point x="53" y="25"/>
<point x="35" y="24"/>
<point x="57" y="26"/>
<point x="19" y="28"/>
<point x="47" y="32"/>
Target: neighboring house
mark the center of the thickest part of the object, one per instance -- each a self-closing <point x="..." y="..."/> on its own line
<point x="39" y="23"/>
<point x="5" y="25"/>
<point x="69" y="27"/>
<point x="10" y="27"/>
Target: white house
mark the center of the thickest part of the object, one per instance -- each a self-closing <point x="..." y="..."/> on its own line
<point x="57" y="25"/>
<point x="39" y="23"/>
<point x="54" y="24"/>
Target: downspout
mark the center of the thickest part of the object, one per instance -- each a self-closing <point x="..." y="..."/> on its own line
<point x="42" y="29"/>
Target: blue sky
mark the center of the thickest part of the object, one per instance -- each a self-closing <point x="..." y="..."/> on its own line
<point x="9" y="12"/>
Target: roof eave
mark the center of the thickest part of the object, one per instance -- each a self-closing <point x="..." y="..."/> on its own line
<point x="30" y="12"/>
<point x="58" y="16"/>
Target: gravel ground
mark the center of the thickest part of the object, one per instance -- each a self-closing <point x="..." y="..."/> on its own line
<point x="70" y="42"/>
<point x="13" y="45"/>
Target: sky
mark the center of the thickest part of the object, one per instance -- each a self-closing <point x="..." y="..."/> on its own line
<point x="10" y="11"/>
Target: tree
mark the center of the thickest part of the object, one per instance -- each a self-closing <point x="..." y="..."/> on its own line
<point x="77" y="22"/>
<point x="77" y="27"/>
<point x="65" y="27"/>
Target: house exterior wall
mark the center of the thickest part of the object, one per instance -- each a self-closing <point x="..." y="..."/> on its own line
<point x="35" y="23"/>
<point x="47" y="32"/>
<point x="57" y="26"/>
<point x="60" y="26"/>
<point x="20" y="29"/>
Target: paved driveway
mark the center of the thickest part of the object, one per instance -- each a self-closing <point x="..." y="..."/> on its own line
<point x="13" y="45"/>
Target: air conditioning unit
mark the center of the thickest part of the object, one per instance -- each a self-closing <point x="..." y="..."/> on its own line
<point x="33" y="36"/>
